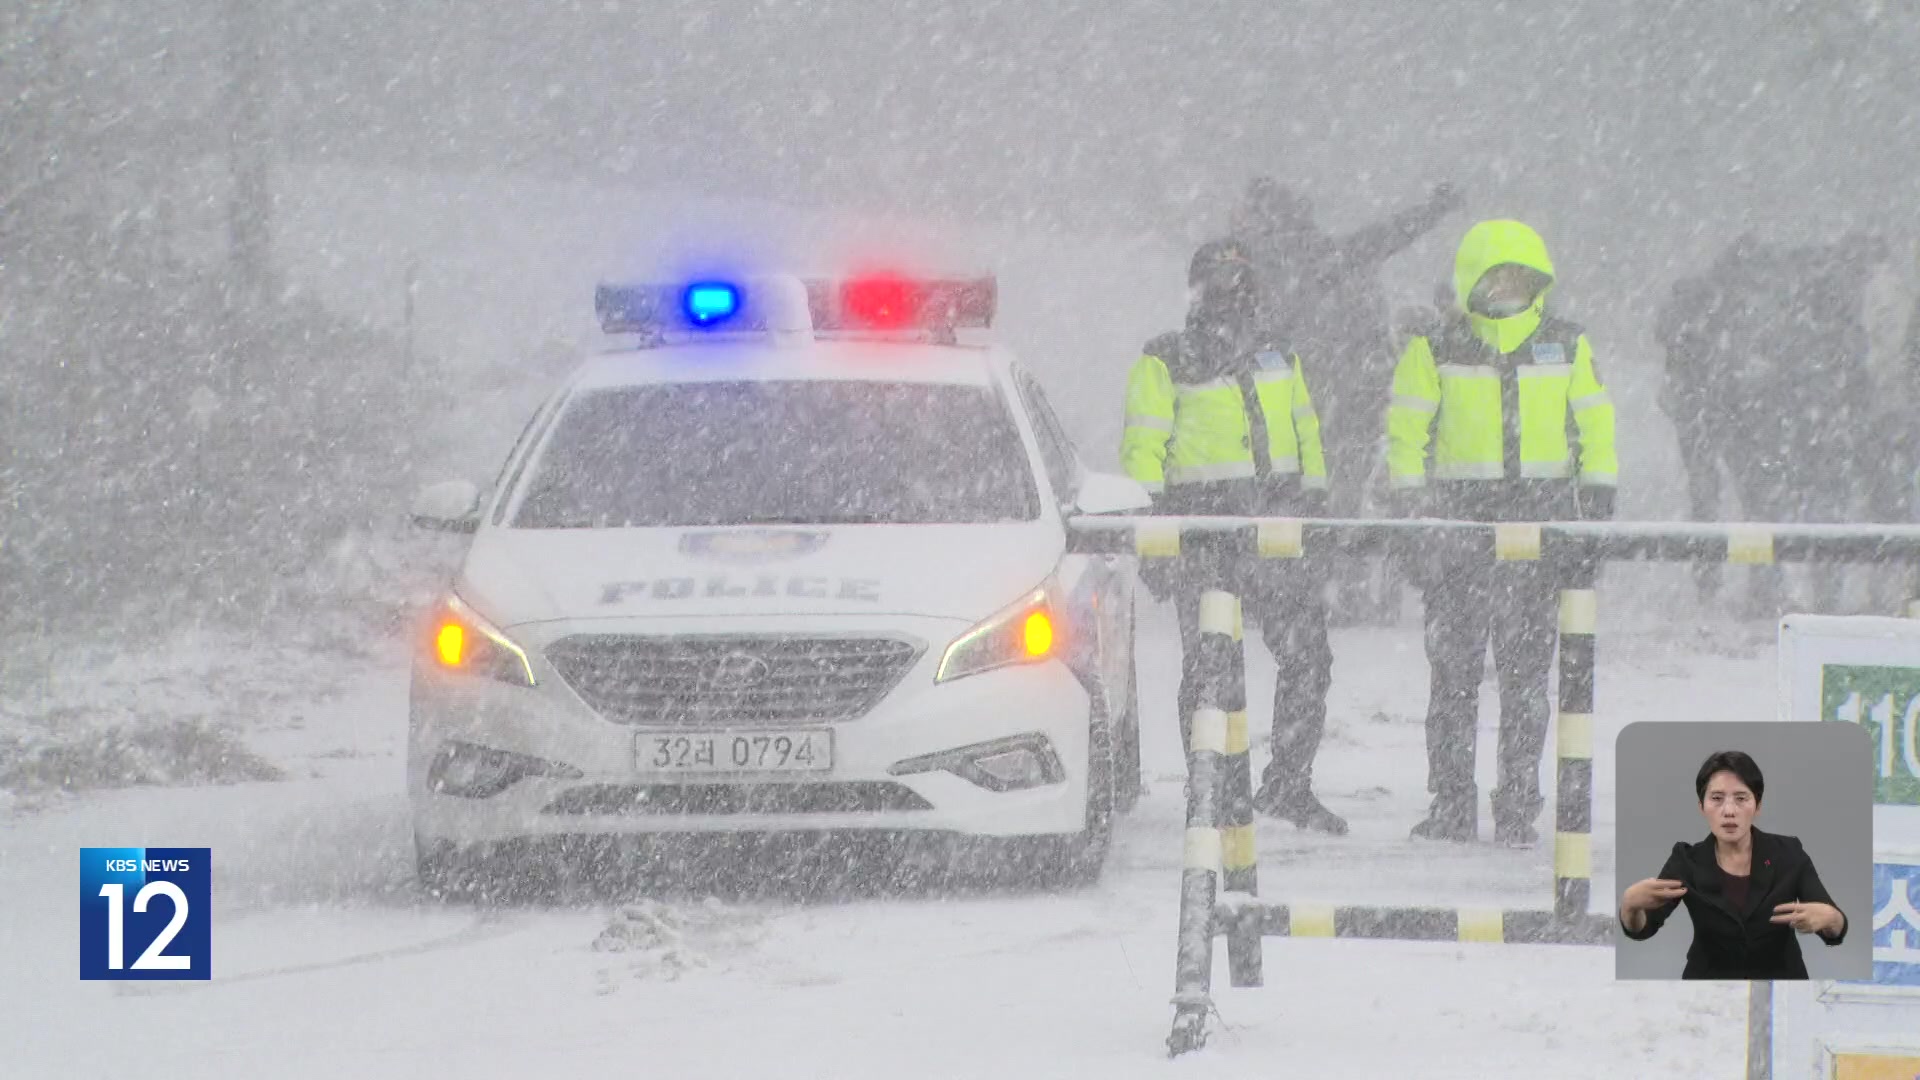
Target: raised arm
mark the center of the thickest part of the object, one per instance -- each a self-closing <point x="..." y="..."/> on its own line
<point x="1366" y="248"/>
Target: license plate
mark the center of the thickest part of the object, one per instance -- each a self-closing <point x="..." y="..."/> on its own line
<point x="698" y="752"/>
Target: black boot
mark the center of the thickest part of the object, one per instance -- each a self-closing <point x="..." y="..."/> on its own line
<point x="1298" y="806"/>
<point x="1453" y="818"/>
<point x="1513" y="820"/>
<point x="1513" y="832"/>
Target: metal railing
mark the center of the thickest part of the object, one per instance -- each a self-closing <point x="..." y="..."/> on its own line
<point x="1219" y="875"/>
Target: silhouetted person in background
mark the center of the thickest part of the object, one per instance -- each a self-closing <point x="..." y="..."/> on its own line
<point x="1768" y="374"/>
<point x="1325" y="300"/>
<point x="1691" y="327"/>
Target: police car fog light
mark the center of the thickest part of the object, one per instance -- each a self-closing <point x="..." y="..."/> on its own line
<point x="469" y="771"/>
<point x="1014" y="768"/>
<point x="1010" y="764"/>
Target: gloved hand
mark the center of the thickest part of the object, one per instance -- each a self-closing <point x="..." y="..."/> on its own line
<point x="1313" y="503"/>
<point x="1408" y="503"/>
<point x="1156" y="575"/>
<point x="1596" y="503"/>
<point x="1411" y="554"/>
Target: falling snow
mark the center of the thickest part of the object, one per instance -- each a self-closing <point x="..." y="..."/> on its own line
<point x="267" y="269"/>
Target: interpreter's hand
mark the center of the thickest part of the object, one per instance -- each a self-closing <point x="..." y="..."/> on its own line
<point x="1648" y="894"/>
<point x="1809" y="917"/>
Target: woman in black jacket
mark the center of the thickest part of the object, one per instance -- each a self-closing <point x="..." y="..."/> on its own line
<point x="1746" y="891"/>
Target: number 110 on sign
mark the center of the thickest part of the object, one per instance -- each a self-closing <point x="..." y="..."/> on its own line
<point x="1887" y="702"/>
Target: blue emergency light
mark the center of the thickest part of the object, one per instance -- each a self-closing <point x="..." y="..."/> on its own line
<point x="710" y="302"/>
<point x="654" y="309"/>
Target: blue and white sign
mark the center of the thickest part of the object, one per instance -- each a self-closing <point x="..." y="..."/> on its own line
<point x="1857" y="670"/>
<point x="1896" y="923"/>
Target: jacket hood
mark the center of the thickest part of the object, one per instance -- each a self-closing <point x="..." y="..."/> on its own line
<point x="1490" y="244"/>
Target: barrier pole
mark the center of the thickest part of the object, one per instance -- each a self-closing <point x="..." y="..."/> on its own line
<point x="1573" y="781"/>
<point x="1240" y="880"/>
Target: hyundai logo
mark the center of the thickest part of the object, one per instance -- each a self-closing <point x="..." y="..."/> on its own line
<point x="751" y="545"/>
<point x="738" y="670"/>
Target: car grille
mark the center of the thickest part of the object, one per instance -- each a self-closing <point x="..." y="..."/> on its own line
<point x="711" y="681"/>
<point x="722" y="799"/>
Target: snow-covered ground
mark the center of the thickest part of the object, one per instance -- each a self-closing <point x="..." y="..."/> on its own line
<point x="282" y="752"/>
<point x="327" y="962"/>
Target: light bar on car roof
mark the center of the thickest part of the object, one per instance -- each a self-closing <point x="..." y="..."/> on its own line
<point x="699" y="305"/>
<point x="870" y="302"/>
<point x="897" y="302"/>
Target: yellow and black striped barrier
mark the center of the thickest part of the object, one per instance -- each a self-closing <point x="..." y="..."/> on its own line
<point x="1201" y="866"/>
<point x="1573" y="751"/>
<point x="1466" y="924"/>
<point x="1220" y="875"/>
<point x="1223" y="667"/>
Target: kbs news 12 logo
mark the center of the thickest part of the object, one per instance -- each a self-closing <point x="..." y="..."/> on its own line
<point x="146" y="913"/>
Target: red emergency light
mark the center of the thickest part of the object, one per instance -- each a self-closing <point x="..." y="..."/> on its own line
<point x="880" y="301"/>
<point x="891" y="301"/>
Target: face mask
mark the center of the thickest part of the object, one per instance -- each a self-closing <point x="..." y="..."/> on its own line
<point x="1500" y="309"/>
<point x="1506" y="291"/>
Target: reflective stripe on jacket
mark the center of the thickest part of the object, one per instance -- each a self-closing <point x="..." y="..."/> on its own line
<point x="1488" y="417"/>
<point x="1180" y="433"/>
<point x="1516" y="398"/>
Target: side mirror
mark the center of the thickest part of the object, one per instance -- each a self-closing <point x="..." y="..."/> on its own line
<point x="449" y="506"/>
<point x="1110" y="493"/>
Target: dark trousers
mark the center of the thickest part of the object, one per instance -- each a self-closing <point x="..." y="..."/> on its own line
<point x="1285" y="597"/>
<point x="1514" y="605"/>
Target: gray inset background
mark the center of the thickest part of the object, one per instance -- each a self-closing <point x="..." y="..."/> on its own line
<point x="1819" y="787"/>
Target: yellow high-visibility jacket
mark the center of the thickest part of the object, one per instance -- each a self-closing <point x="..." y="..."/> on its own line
<point x="1181" y="433"/>
<point x="1500" y="399"/>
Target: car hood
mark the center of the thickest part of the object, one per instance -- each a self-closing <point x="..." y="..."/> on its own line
<point x="518" y="576"/>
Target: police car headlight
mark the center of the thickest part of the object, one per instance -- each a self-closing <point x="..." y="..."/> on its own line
<point x="1026" y="632"/>
<point x="464" y="642"/>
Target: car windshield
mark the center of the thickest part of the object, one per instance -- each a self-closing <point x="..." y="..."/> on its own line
<point x="739" y="453"/>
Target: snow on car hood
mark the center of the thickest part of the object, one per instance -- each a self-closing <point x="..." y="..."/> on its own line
<point x="965" y="572"/>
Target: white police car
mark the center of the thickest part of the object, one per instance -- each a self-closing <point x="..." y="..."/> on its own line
<point x="794" y="563"/>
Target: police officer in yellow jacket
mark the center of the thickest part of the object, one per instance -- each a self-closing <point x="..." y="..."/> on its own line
<point x="1499" y="415"/>
<point x="1219" y="421"/>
